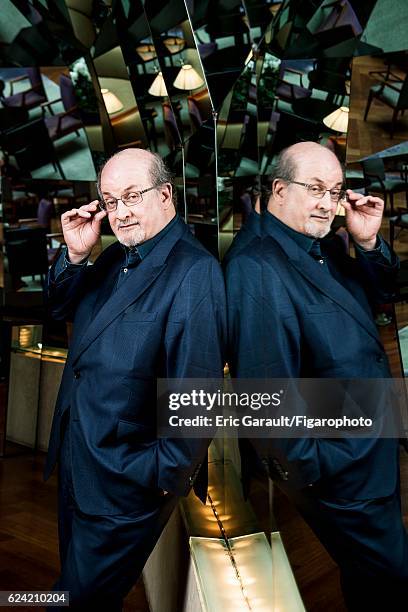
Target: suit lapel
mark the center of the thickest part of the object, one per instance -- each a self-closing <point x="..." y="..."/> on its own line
<point x="140" y="279"/>
<point x="317" y="276"/>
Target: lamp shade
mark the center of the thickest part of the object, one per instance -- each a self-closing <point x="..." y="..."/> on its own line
<point x="112" y="103"/>
<point x="158" y="87"/>
<point x="338" y="119"/>
<point x="147" y="52"/>
<point x="188" y="78"/>
<point x="174" y="44"/>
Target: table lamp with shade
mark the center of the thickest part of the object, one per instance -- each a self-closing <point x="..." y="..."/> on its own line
<point x="158" y="87"/>
<point x="112" y="102"/>
<point x="338" y="120"/>
<point x="188" y="78"/>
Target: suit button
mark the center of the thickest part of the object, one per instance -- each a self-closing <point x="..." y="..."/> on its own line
<point x="379" y="358"/>
<point x="77" y="374"/>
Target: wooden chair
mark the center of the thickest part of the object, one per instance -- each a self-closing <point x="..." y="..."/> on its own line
<point x="376" y="179"/>
<point x="394" y="94"/>
<point x="68" y="121"/>
<point x="30" y="98"/>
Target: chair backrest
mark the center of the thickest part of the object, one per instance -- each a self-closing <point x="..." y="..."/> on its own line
<point x="34" y="76"/>
<point x="26" y="250"/>
<point x="373" y="168"/>
<point x="170" y="127"/>
<point x="194" y="113"/>
<point x="68" y="93"/>
<point x="23" y="143"/>
<point x="45" y="212"/>
<point x="402" y="103"/>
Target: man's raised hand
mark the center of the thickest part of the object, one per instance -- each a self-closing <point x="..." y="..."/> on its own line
<point x="82" y="228"/>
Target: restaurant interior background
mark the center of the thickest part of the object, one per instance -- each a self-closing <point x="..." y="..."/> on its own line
<point x="218" y="88"/>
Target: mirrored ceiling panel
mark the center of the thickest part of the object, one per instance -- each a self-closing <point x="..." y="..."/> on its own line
<point x="331" y="28"/>
<point x="180" y="82"/>
<point x="221" y="28"/>
<point x="39" y="33"/>
<point x="385" y="18"/>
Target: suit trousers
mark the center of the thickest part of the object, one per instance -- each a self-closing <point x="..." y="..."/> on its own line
<point x="368" y="541"/>
<point x="103" y="556"/>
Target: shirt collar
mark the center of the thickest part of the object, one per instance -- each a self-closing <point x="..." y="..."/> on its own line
<point x="304" y="242"/>
<point x="141" y="251"/>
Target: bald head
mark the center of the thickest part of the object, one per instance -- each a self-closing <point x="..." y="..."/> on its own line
<point x="142" y="186"/>
<point x="151" y="162"/>
<point x="312" y="164"/>
<point x="290" y="158"/>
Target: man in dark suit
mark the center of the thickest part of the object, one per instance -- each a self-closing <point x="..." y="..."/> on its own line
<point x="152" y="306"/>
<point x="300" y="306"/>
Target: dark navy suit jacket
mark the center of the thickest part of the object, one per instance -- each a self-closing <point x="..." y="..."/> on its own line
<point x="167" y="319"/>
<point x="289" y="317"/>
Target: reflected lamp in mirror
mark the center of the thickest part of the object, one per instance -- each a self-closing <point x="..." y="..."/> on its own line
<point x="147" y="52"/>
<point x="112" y="102"/>
<point x="338" y="120"/>
<point x="158" y="87"/>
<point x="174" y="44"/>
<point x="188" y="78"/>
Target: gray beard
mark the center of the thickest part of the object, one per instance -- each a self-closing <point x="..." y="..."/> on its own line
<point x="134" y="238"/>
<point x="314" y="230"/>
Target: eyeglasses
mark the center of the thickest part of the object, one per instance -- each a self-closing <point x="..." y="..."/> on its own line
<point x="316" y="191"/>
<point x="131" y="199"/>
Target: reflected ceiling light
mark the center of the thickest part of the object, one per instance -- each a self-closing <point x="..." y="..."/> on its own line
<point x="146" y="52"/>
<point x="338" y="119"/>
<point x="174" y="44"/>
<point x="188" y="78"/>
<point x="158" y="87"/>
<point x="112" y="103"/>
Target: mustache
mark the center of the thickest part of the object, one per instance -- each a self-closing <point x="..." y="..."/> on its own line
<point x="123" y="224"/>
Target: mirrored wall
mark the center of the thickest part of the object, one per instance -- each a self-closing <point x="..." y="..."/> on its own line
<point x="217" y="88"/>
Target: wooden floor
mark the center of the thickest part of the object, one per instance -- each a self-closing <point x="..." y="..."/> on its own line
<point x="28" y="528"/>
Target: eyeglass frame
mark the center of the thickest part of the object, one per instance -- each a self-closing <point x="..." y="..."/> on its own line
<point x="308" y="185"/>
<point x="141" y="192"/>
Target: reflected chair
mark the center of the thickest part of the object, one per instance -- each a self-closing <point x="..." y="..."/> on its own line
<point x="30" y="98"/>
<point x="26" y="250"/>
<point x="194" y="113"/>
<point x="392" y="93"/>
<point x="69" y="121"/>
<point x="289" y="91"/>
<point x="375" y="179"/>
<point x="45" y="212"/>
<point x="171" y="131"/>
<point x="330" y="75"/>
<point x="338" y="14"/>
<point x="398" y="223"/>
<point x="31" y="147"/>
